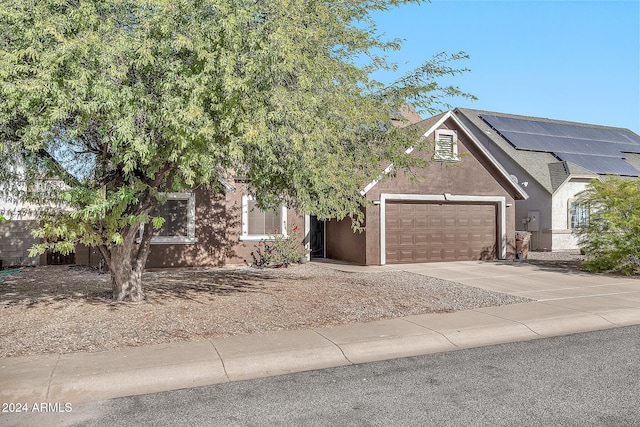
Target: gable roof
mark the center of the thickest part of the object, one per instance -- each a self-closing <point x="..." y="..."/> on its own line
<point x="406" y="116"/>
<point x="560" y="171"/>
<point x="433" y="123"/>
<point x="550" y="149"/>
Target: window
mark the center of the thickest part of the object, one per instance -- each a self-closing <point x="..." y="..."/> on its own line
<point x="179" y="215"/>
<point x="446" y="145"/>
<point x="578" y="213"/>
<point x="258" y="224"/>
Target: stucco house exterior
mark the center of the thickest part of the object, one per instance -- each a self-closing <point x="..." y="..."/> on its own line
<point x="462" y="208"/>
<point x="15" y="231"/>
<point x="202" y="229"/>
<point x="554" y="160"/>
<point x="205" y="229"/>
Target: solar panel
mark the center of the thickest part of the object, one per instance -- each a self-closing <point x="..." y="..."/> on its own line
<point x="569" y="145"/>
<point x="597" y="149"/>
<point x="600" y="165"/>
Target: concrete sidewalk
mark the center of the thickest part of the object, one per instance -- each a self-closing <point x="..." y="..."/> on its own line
<point x="566" y="303"/>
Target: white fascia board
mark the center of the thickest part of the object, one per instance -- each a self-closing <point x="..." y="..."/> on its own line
<point x="409" y="150"/>
<point x="307" y="236"/>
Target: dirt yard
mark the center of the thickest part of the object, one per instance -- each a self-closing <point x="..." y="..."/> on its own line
<point x="63" y="309"/>
<point x="68" y="309"/>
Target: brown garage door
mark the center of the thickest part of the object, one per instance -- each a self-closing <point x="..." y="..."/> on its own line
<point x="430" y="232"/>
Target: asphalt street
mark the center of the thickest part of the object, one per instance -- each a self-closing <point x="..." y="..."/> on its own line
<point x="589" y="379"/>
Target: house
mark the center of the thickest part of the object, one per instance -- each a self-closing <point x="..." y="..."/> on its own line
<point x="15" y="231"/>
<point x="201" y="229"/>
<point x="205" y="229"/>
<point x="554" y="160"/>
<point x="461" y="209"/>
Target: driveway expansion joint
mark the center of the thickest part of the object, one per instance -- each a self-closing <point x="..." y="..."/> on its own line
<point x="513" y="321"/>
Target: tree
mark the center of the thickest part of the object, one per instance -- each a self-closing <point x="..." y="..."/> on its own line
<point x="106" y="105"/>
<point x="611" y="237"/>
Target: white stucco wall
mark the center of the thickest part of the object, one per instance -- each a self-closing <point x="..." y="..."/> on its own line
<point x="563" y="240"/>
<point x="539" y="200"/>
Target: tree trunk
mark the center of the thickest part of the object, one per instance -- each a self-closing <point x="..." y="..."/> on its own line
<point x="126" y="264"/>
<point x="126" y="280"/>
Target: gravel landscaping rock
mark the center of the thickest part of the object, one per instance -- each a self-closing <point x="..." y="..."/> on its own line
<point x="63" y="309"/>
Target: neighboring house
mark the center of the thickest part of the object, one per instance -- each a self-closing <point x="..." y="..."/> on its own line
<point x="15" y="232"/>
<point x="554" y="160"/>
<point x="462" y="208"/>
<point x="16" y="238"/>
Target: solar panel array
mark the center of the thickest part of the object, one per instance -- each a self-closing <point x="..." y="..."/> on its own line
<point x="597" y="149"/>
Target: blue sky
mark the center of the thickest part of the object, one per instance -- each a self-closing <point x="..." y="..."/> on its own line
<point x="565" y="60"/>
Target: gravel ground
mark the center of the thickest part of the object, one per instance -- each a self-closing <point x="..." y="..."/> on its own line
<point x="63" y="309"/>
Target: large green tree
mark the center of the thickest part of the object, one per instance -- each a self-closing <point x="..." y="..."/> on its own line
<point x="611" y="236"/>
<point x="107" y="104"/>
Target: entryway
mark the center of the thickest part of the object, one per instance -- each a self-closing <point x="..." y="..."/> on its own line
<point x="317" y="230"/>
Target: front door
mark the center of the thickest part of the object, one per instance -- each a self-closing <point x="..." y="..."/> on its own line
<point x="316" y="238"/>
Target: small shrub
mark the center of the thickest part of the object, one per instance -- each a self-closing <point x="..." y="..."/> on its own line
<point x="279" y="250"/>
<point x="263" y="254"/>
<point x="288" y="250"/>
<point x="611" y="238"/>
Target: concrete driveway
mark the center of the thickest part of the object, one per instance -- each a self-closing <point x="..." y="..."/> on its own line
<point x="536" y="282"/>
<point x="527" y="280"/>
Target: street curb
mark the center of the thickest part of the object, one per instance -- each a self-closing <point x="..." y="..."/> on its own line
<point x="82" y="377"/>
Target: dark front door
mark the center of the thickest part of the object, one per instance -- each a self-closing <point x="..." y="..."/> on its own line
<point x="317" y="238"/>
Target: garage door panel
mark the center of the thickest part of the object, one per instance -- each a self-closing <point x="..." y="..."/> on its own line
<point x="421" y="223"/>
<point x="450" y="238"/>
<point x="435" y="222"/>
<point x="423" y="232"/>
<point x="477" y="237"/>
<point x="465" y="238"/>
<point x="466" y="222"/>
<point x="435" y="238"/>
<point x="406" y="240"/>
